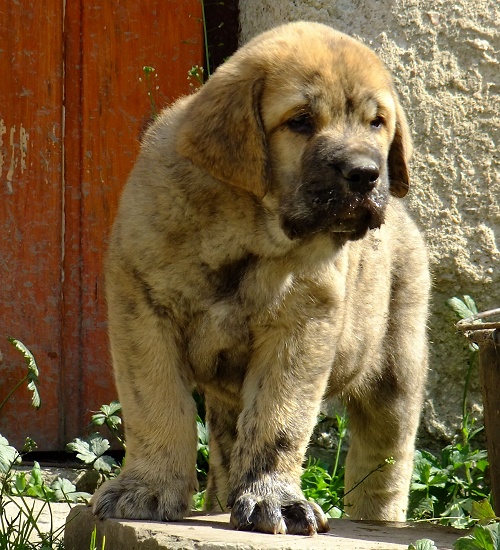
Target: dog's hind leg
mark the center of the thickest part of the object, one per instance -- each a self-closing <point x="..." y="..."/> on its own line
<point x="384" y="408"/>
<point x="221" y="420"/>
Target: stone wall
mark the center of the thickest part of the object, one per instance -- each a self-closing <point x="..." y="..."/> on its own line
<point x="445" y="57"/>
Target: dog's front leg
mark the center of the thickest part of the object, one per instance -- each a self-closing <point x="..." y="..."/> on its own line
<point x="159" y="477"/>
<point x="281" y="398"/>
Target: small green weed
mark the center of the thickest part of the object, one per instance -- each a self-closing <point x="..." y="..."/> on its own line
<point x="446" y="487"/>
<point x="31" y="484"/>
<point x="19" y="530"/>
<point x="31" y="377"/>
<point x="423" y="544"/>
<point x="93" y="541"/>
<point x="109" y="416"/>
<point x="19" y="512"/>
<point x="319" y="485"/>
<point x="201" y="463"/>
<point x="196" y="75"/>
<point x="483" y="537"/>
<point x="150" y="72"/>
<point x="202" y="458"/>
<point x="92" y="449"/>
<point x="323" y="484"/>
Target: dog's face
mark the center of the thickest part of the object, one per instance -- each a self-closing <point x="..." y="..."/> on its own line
<point x="307" y="119"/>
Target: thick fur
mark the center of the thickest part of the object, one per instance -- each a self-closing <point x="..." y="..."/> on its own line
<point x="260" y="255"/>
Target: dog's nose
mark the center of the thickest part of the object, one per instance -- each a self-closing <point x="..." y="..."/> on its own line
<point x="362" y="177"/>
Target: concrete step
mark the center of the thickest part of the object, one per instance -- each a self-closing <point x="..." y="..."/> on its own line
<point x="213" y="532"/>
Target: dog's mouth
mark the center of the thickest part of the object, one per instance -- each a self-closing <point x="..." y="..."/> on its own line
<point x="346" y="218"/>
<point x="341" y="191"/>
<point x="365" y="214"/>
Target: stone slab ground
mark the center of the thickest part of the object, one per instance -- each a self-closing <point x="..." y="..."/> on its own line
<point x="213" y="532"/>
<point x="49" y="517"/>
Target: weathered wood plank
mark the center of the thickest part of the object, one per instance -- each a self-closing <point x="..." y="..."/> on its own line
<point x="58" y="193"/>
<point x="31" y="116"/>
<point x="118" y="40"/>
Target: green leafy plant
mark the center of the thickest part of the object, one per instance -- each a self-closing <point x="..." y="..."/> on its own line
<point x="108" y="415"/>
<point x="93" y="541"/>
<point x="19" y="529"/>
<point x="319" y="485"/>
<point x="195" y="74"/>
<point x="31" y="484"/>
<point x="91" y="450"/>
<point x="483" y="537"/>
<point x="447" y="487"/>
<point x="324" y="484"/>
<point x="463" y="308"/>
<point x="202" y="457"/>
<point x="203" y="452"/>
<point x="8" y="456"/>
<point x="423" y="544"/>
<point x="19" y="512"/>
<point x="31" y="377"/>
<point x="149" y="72"/>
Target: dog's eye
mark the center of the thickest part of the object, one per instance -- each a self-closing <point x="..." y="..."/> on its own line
<point x="302" y="124"/>
<point x="377" y="122"/>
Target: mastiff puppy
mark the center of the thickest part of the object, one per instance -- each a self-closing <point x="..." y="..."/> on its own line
<point x="261" y="253"/>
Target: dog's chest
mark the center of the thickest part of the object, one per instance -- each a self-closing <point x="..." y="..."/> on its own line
<point x="243" y="294"/>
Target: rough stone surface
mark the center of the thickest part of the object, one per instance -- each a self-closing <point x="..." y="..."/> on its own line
<point x="445" y="57"/>
<point x="213" y="532"/>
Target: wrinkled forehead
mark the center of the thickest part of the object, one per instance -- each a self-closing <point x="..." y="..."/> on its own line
<point x="329" y="80"/>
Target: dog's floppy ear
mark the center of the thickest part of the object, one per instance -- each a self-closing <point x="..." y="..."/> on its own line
<point x="222" y="131"/>
<point x="399" y="155"/>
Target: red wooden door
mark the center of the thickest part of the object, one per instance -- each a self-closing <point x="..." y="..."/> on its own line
<point x="73" y="99"/>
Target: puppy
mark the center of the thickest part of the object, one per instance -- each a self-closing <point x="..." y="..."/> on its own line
<point x="261" y="254"/>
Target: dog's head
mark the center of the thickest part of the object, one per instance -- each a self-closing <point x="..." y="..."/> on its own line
<point x="307" y="119"/>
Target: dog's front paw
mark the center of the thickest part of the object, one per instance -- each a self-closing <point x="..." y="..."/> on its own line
<point x="251" y="512"/>
<point x="130" y="498"/>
